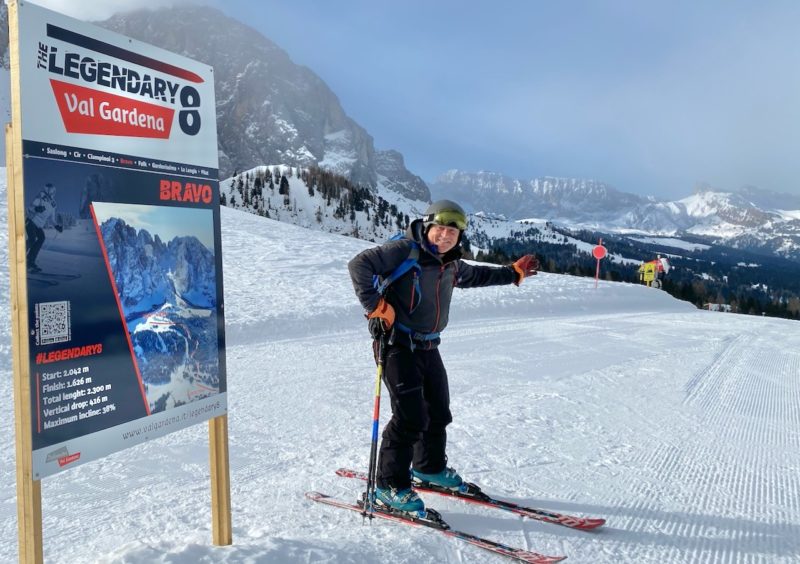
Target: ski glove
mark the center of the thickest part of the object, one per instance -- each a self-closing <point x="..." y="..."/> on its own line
<point x="381" y="319"/>
<point x="59" y="228"/>
<point x="524" y="267"/>
<point x="38" y="209"/>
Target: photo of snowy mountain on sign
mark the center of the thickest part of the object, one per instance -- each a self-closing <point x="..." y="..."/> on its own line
<point x="166" y="282"/>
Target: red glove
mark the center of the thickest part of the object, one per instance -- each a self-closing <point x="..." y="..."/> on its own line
<point x="381" y="319"/>
<point x="526" y="266"/>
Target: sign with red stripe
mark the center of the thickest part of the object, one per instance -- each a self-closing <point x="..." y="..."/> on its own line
<point x="118" y="146"/>
<point x="118" y="94"/>
<point x="84" y="110"/>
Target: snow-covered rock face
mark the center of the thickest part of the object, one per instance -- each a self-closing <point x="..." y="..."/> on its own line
<point x="393" y="174"/>
<point x="193" y="274"/>
<point x="539" y="197"/>
<point x="732" y="208"/>
<point x="149" y="273"/>
<point x="269" y="110"/>
<point x="738" y="221"/>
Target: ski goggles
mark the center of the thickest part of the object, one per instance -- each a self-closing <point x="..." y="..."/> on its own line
<point x="449" y="218"/>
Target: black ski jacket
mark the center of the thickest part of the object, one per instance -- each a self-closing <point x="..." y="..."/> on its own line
<point x="437" y="278"/>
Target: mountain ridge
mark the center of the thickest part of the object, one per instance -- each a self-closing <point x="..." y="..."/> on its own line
<point x="733" y="218"/>
<point x="269" y="109"/>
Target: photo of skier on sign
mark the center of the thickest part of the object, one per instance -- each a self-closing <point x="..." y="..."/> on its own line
<point x="40" y="214"/>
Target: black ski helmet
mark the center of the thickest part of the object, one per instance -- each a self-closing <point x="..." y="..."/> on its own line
<point x="445" y="212"/>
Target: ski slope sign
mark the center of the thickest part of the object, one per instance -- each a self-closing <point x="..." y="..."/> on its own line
<point x="116" y="194"/>
<point x="112" y="93"/>
<point x="116" y="267"/>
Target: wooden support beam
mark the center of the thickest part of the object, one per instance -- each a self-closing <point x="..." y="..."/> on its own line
<point x="220" y="481"/>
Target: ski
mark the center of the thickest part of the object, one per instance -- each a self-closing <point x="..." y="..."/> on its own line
<point x="41" y="281"/>
<point x="433" y="520"/>
<point x="473" y="494"/>
<point x="53" y="275"/>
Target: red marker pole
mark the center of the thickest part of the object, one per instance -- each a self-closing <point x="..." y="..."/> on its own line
<point x="599" y="252"/>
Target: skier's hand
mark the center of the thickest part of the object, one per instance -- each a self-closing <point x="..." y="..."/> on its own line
<point x="59" y="228"/>
<point x="524" y="267"/>
<point x="38" y="209"/>
<point x="381" y="319"/>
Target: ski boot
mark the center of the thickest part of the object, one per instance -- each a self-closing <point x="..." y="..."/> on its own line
<point x="447" y="479"/>
<point x="405" y="500"/>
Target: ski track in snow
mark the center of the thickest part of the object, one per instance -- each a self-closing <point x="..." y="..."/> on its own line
<point x="680" y="427"/>
<point x="715" y="481"/>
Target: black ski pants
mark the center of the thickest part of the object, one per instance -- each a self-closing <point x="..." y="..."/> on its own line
<point x="417" y="383"/>
<point x="36" y="237"/>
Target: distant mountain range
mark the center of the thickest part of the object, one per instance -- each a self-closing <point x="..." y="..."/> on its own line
<point x="750" y="219"/>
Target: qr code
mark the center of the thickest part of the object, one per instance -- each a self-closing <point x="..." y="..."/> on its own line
<point x="53" y="323"/>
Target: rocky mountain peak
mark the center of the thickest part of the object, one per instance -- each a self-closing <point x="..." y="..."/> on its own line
<point x="269" y="109"/>
<point x="538" y="197"/>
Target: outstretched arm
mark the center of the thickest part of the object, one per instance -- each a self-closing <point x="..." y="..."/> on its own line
<point x="474" y="276"/>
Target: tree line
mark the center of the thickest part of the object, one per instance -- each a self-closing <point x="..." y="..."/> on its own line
<point x="749" y="283"/>
<point x="266" y="191"/>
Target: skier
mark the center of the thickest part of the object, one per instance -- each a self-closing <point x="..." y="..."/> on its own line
<point x="41" y="211"/>
<point x="410" y="315"/>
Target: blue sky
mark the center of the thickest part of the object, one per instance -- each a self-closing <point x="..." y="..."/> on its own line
<point x="653" y="97"/>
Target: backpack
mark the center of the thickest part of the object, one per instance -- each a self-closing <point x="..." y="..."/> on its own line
<point x="411" y="262"/>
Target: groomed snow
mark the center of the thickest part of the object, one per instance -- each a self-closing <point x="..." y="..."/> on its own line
<point x="679" y="426"/>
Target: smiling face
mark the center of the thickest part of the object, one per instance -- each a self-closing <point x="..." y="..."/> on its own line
<point x="444" y="237"/>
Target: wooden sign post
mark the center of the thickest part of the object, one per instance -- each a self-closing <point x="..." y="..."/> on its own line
<point x="29" y="491"/>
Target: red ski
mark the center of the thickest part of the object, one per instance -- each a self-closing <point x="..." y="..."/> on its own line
<point x="433" y="520"/>
<point x="473" y="494"/>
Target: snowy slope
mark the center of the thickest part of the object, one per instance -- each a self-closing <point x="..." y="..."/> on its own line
<point x="301" y="208"/>
<point x="681" y="427"/>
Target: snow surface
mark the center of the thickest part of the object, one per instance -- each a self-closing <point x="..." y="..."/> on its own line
<point x="681" y="427"/>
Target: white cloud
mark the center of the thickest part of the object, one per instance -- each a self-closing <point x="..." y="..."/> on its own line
<point x="95" y="10"/>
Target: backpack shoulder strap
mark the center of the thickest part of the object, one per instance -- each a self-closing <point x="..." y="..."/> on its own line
<point x="411" y="261"/>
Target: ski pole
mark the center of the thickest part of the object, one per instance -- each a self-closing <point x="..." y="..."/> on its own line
<point x="369" y="503"/>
